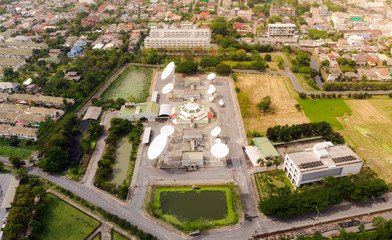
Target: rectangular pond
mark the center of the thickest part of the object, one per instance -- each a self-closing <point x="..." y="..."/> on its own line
<point x="121" y="164"/>
<point x="193" y="205"/>
<point x="132" y="82"/>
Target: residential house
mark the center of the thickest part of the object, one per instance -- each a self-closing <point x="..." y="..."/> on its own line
<point x="334" y="75"/>
<point x="383" y="74"/>
<point x="75" y="51"/>
<point x="8" y="87"/>
<point x="72" y="76"/>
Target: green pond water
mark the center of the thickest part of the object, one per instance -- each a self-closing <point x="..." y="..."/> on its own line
<point x="192" y="205"/>
<point x="131" y="82"/>
<point x="121" y="164"/>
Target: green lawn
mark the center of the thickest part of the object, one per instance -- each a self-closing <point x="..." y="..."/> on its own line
<point x="118" y="236"/>
<point x="325" y="110"/>
<point x="7" y="151"/>
<point x="270" y="183"/>
<point x="61" y="221"/>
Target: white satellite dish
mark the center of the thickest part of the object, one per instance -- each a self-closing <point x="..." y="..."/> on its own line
<point x="211" y="76"/>
<point x="167" y="88"/>
<point x="211" y="99"/>
<point x="157" y="146"/>
<point x="218" y="140"/>
<point x="221" y="103"/>
<point x="216" y="131"/>
<point x="168" y="71"/>
<point x="211" y="90"/>
<point x="167" y="130"/>
<point x="219" y="150"/>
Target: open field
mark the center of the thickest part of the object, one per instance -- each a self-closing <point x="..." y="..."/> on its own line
<point x="325" y="110"/>
<point x="368" y="130"/>
<point x="253" y="88"/>
<point x="61" y="221"/>
<point x="132" y="83"/>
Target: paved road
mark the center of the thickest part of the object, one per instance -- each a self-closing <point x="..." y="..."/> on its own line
<point x="297" y="86"/>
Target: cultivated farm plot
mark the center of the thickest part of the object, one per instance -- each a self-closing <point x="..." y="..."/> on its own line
<point x="255" y="87"/>
<point x="131" y="84"/>
<point x="368" y="130"/>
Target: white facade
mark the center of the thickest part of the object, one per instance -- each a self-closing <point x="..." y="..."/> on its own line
<point x="286" y="30"/>
<point x="178" y="38"/>
<point x="323" y="11"/>
<point x="323" y="160"/>
<point x="356" y="41"/>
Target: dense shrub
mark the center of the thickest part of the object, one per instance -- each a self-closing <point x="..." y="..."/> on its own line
<point x="286" y="133"/>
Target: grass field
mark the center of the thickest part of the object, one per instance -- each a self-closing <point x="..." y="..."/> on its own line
<point x="325" y="110"/>
<point x="8" y="151"/>
<point x="131" y="83"/>
<point x="368" y="130"/>
<point x="253" y="88"/>
<point x="118" y="236"/>
<point x="97" y="237"/>
<point x="61" y="221"/>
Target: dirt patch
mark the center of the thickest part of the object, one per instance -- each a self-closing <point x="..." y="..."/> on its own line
<point x="255" y="87"/>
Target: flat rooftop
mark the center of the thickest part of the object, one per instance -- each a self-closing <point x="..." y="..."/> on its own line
<point x="336" y="155"/>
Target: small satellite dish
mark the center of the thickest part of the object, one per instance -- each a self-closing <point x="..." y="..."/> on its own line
<point x="218" y="140"/>
<point x="211" y="99"/>
<point x="167" y="130"/>
<point x="211" y="90"/>
<point x="211" y="76"/>
<point x="167" y="88"/>
<point x="216" y="131"/>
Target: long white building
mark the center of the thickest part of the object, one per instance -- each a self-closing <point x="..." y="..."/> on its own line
<point x="178" y="38"/>
<point x="323" y="160"/>
<point x="281" y="29"/>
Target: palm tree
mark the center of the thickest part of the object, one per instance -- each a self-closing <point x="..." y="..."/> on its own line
<point x="276" y="162"/>
<point x="261" y="162"/>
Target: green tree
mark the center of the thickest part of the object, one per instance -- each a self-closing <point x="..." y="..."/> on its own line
<point x="264" y="104"/>
<point x="1" y="167"/>
<point x="223" y="69"/>
<point x="21" y="173"/>
<point x="210" y="61"/>
<point x="187" y="67"/>
<point x="267" y="57"/>
<point x="56" y="160"/>
<point x="16" y="162"/>
<point x="219" y="28"/>
<point x="379" y="222"/>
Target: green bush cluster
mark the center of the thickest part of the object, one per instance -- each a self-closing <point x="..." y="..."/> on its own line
<point x="118" y="128"/>
<point x="361" y="86"/>
<point x="334" y="191"/>
<point x="20" y="213"/>
<point x="286" y="133"/>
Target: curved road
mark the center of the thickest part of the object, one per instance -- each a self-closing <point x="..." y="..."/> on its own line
<point x="297" y="86"/>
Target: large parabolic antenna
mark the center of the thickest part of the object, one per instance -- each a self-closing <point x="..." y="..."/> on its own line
<point x="167" y="130"/>
<point x="167" y="88"/>
<point x="219" y="150"/>
<point x="157" y="146"/>
<point x="216" y="131"/>
<point x="211" y="76"/>
<point x="168" y="71"/>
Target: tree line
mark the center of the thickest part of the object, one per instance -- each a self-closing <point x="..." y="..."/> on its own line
<point x="360" y="86"/>
<point x="119" y="127"/>
<point x="333" y="192"/>
<point x="286" y="133"/>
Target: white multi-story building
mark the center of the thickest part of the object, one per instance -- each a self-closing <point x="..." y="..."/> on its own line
<point x="323" y="160"/>
<point x="245" y="14"/>
<point x="323" y="11"/>
<point x="356" y="41"/>
<point x="279" y="29"/>
<point x="178" y="38"/>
